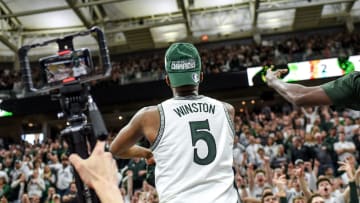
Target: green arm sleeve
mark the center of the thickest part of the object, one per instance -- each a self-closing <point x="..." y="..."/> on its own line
<point x="353" y="193"/>
<point x="344" y="91"/>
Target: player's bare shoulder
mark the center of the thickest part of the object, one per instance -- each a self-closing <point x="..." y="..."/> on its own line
<point x="148" y="111"/>
<point x="230" y="108"/>
<point x="150" y="121"/>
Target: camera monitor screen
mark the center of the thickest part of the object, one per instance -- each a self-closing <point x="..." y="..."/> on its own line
<point x="65" y="65"/>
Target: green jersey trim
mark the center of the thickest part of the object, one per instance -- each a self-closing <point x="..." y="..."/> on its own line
<point x="161" y="129"/>
<point x="189" y="97"/>
<point x="231" y="123"/>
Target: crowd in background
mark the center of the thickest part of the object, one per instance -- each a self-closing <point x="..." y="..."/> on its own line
<point x="221" y="57"/>
<point x="304" y="144"/>
<point x="302" y="147"/>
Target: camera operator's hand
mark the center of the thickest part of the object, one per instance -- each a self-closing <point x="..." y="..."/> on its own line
<point x="99" y="172"/>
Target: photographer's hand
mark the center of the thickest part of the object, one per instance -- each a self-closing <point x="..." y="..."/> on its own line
<point x="99" y="172"/>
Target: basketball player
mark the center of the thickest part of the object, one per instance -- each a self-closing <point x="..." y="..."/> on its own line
<point x="191" y="136"/>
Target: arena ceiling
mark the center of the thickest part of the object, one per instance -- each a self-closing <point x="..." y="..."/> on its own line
<point x="147" y="24"/>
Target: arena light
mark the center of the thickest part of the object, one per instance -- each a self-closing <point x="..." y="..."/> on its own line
<point x="204" y="38"/>
<point x="275" y="19"/>
<point x="148" y="8"/>
<point x="212" y="3"/>
<point x="227" y="29"/>
<point x="169" y="33"/>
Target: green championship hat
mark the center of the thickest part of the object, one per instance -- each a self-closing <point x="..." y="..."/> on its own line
<point x="183" y="64"/>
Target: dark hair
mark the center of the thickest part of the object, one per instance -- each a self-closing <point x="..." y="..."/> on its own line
<point x="265" y="190"/>
<point x="322" y="179"/>
<point x="312" y="197"/>
<point x="265" y="195"/>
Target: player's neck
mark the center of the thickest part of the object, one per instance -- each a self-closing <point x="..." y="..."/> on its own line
<point x="185" y="91"/>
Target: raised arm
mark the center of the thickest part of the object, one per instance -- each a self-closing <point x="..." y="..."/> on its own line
<point x="268" y="171"/>
<point x="295" y="93"/>
<point x="280" y="183"/>
<point x="251" y="176"/>
<point x="350" y="193"/>
<point x="357" y="176"/>
<point x="300" y="174"/>
<point x="312" y="178"/>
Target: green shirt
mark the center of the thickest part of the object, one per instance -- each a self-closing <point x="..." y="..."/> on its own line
<point x="344" y="91"/>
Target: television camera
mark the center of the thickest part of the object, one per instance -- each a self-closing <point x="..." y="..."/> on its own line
<point x="68" y="73"/>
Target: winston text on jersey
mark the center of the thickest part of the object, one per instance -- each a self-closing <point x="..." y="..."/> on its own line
<point x="194" y="108"/>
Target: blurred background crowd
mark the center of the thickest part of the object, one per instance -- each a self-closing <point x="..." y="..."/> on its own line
<point x="220" y="57"/>
<point x="300" y="143"/>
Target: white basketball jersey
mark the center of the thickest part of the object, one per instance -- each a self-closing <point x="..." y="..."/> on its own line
<point x="193" y="152"/>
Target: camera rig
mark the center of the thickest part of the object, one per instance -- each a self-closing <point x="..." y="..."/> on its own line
<point x="74" y="97"/>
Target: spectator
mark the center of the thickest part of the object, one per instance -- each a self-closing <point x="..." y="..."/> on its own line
<point x="64" y="175"/>
<point x="299" y="151"/>
<point x="4" y="187"/>
<point x="71" y="195"/>
<point x="322" y="155"/>
<point x="257" y="182"/>
<point x="52" y="196"/>
<point x="17" y="188"/>
<point x="49" y="178"/>
<point x="280" y="159"/>
<point x="137" y="169"/>
<point x="343" y="148"/>
<point x="36" y="185"/>
<point x="309" y="176"/>
<point x="252" y="149"/>
<point x="15" y="173"/>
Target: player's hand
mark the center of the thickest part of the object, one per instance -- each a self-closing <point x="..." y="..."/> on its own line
<point x="271" y="75"/>
<point x="150" y="161"/>
<point x="100" y="168"/>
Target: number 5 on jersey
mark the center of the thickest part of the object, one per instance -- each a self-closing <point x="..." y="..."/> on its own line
<point x="200" y="130"/>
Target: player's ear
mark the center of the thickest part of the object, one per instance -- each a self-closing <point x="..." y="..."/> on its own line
<point x="167" y="80"/>
<point x="201" y="76"/>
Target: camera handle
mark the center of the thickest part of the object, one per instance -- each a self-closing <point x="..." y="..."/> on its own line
<point x="76" y="137"/>
<point x="65" y="42"/>
<point x="80" y="135"/>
